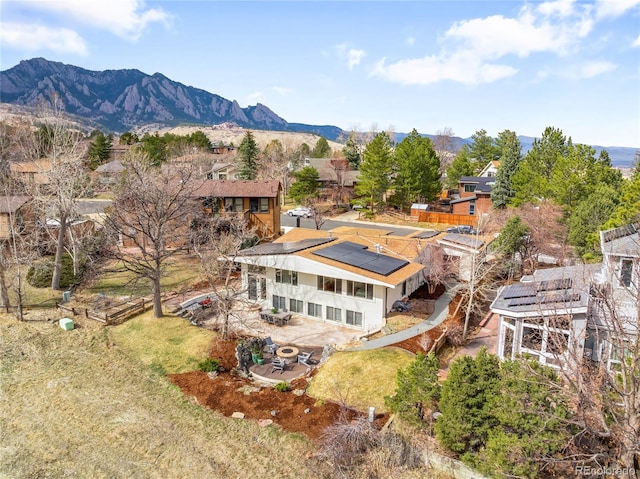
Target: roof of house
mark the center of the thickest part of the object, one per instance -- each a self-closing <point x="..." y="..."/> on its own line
<point x="555" y="291"/>
<point x="327" y="172"/>
<point x="222" y="166"/>
<point x="622" y="241"/>
<point x="484" y="184"/>
<point x="238" y="189"/>
<point x="397" y="251"/>
<point x="38" y="166"/>
<point x="11" y="204"/>
<point x="462" y="200"/>
<point x="464" y="241"/>
<point x="114" y="166"/>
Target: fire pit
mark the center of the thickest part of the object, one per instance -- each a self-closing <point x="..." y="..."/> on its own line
<point x="287" y="352"/>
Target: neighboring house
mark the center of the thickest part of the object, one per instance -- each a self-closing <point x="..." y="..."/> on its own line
<point x="15" y="212"/>
<point x="556" y="316"/>
<point x="328" y="276"/>
<point x="223" y="149"/>
<point x="257" y="200"/>
<point x="32" y="172"/>
<point x="490" y="170"/>
<point x="223" y="171"/>
<point x="475" y="196"/>
<point x="334" y="176"/>
<point x="109" y="173"/>
<point x="460" y="250"/>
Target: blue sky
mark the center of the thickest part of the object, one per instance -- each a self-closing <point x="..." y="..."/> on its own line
<point x="428" y="65"/>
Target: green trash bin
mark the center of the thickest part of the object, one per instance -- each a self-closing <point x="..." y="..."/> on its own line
<point x="66" y="324"/>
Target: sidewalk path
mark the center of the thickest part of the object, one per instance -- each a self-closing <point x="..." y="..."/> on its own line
<point x="440" y="313"/>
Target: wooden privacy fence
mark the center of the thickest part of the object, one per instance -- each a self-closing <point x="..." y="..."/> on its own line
<point x="447" y="218"/>
<point x="116" y="314"/>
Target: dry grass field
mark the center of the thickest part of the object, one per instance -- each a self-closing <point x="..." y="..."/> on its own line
<point x="74" y="405"/>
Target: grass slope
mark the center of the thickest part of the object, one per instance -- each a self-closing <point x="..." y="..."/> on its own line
<point x="360" y="379"/>
<point x="169" y="344"/>
<point x="74" y="405"/>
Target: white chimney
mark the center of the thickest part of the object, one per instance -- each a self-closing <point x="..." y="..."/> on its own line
<point x="378" y="249"/>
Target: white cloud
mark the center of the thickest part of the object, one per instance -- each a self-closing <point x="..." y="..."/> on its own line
<point x="354" y="57"/>
<point x="461" y="68"/>
<point x="38" y="37"/>
<point x="411" y="41"/>
<point x="282" y="90"/>
<point x="351" y="56"/>
<point x="636" y="43"/>
<point x="473" y="51"/>
<point x="125" y="18"/>
<point x="614" y="8"/>
<point x="589" y="69"/>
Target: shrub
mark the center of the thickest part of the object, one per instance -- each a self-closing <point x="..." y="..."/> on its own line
<point x="346" y="442"/>
<point x="281" y="387"/>
<point x="41" y="273"/>
<point x="208" y="365"/>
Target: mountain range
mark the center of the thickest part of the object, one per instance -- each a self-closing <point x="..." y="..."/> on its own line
<point x="121" y="100"/>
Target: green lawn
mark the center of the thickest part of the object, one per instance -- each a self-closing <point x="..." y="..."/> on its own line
<point x="179" y="274"/>
<point x="360" y="379"/>
<point x="169" y="344"/>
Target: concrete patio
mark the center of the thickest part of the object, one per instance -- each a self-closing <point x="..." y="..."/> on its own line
<point x="299" y="331"/>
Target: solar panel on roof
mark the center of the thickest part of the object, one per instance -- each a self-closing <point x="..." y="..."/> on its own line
<point x="359" y="256"/>
<point x="545" y="299"/>
<point x="284" y="248"/>
<point x="519" y="291"/>
<point x="555" y="284"/>
<point x="427" y="234"/>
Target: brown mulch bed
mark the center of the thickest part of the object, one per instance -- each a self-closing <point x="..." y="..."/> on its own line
<point x="226" y="394"/>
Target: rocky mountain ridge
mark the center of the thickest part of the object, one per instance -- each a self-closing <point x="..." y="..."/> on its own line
<point x="120" y="100"/>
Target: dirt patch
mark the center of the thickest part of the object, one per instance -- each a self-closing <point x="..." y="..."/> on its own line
<point x="418" y="343"/>
<point x="294" y="410"/>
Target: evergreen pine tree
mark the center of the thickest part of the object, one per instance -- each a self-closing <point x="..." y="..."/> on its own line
<point x="502" y="191"/>
<point x="375" y="170"/>
<point x="248" y="152"/>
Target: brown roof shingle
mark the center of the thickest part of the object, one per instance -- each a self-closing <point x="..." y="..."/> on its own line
<point x="10" y="204"/>
<point x="238" y="189"/>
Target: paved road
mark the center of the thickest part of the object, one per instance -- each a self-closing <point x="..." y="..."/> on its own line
<point x="335" y="223"/>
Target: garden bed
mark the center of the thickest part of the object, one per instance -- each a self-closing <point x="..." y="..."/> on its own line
<point x="229" y="393"/>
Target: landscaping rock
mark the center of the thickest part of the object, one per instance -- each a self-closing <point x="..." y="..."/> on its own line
<point x="274" y="413"/>
<point x="265" y="422"/>
<point x="238" y="415"/>
<point x="307" y="411"/>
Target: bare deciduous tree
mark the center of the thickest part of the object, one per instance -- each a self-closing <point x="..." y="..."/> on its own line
<point x="446" y="147"/>
<point x="218" y="243"/>
<point x="437" y="267"/>
<point x="319" y="218"/>
<point x="66" y="178"/>
<point x="151" y="213"/>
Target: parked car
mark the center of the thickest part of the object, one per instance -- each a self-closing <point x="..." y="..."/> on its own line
<point x="300" y="211"/>
<point x="463" y="229"/>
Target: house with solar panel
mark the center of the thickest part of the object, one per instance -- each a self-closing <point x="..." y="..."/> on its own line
<point x="560" y="315"/>
<point x="339" y="276"/>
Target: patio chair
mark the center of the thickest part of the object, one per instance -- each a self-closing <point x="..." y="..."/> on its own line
<point x="278" y="364"/>
<point x="304" y="358"/>
<point x="271" y="346"/>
